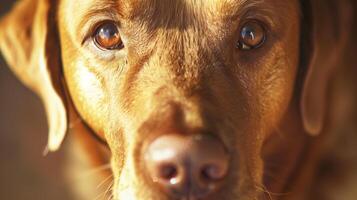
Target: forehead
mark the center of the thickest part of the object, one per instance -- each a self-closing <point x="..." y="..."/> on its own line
<point x="74" y="11"/>
<point x="170" y="4"/>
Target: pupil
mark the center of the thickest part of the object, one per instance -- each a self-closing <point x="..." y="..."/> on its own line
<point x="107" y="37"/>
<point x="248" y="33"/>
<point x="108" y="31"/>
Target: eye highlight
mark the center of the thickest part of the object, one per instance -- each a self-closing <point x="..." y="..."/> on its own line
<point x="107" y="37"/>
<point x="252" y="36"/>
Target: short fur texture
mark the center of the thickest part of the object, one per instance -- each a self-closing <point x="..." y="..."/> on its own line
<point x="180" y="72"/>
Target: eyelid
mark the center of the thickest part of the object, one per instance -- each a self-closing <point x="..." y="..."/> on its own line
<point x="266" y="27"/>
<point x="267" y="22"/>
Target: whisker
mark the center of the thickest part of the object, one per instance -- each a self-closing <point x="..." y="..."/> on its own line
<point x="104" y="181"/>
<point x="109" y="189"/>
<point x="95" y="170"/>
<point x="104" y="194"/>
<point x="270" y="194"/>
<point x="264" y="190"/>
<point x="111" y="197"/>
<point x="100" y="196"/>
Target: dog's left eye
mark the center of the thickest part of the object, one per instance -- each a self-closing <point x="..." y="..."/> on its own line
<point x="252" y="36"/>
<point x="107" y="37"/>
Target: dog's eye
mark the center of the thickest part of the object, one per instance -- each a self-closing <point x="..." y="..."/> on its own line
<point x="252" y="36"/>
<point x="106" y="36"/>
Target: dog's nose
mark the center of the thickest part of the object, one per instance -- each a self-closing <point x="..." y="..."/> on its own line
<point x="187" y="166"/>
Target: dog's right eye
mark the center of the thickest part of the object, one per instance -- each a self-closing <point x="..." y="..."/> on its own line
<point x="107" y="37"/>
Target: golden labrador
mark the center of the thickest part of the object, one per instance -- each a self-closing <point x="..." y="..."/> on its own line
<point x="194" y="99"/>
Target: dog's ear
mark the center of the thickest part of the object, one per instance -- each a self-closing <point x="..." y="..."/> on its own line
<point x="326" y="24"/>
<point x="29" y="44"/>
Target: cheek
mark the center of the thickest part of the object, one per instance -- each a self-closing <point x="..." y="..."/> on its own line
<point x="276" y="88"/>
<point x="274" y="82"/>
<point x="276" y="95"/>
<point x="87" y="91"/>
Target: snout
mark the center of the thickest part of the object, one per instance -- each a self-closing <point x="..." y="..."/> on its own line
<point x="186" y="166"/>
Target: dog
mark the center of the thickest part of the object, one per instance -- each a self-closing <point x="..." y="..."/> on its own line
<point x="212" y="100"/>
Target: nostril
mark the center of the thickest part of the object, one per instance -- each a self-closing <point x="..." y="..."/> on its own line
<point x="186" y="166"/>
<point x="212" y="173"/>
<point x="168" y="173"/>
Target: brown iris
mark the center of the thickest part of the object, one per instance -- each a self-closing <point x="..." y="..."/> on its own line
<point x="107" y="36"/>
<point x="252" y="36"/>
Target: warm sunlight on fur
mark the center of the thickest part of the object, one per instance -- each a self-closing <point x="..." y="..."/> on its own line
<point x="193" y="99"/>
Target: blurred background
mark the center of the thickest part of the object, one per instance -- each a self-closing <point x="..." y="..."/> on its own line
<point x="24" y="172"/>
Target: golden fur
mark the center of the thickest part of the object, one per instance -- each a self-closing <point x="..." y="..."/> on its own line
<point x="180" y="71"/>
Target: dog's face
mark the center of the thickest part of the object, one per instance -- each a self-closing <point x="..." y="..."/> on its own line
<point x="138" y="70"/>
<point x="185" y="93"/>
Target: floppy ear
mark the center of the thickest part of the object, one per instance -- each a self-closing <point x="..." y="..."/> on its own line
<point x="326" y="24"/>
<point x="29" y="44"/>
